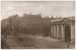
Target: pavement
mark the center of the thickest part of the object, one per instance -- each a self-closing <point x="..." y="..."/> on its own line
<point x="34" y="42"/>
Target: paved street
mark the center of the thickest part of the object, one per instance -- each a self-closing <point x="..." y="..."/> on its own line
<point x="34" y="42"/>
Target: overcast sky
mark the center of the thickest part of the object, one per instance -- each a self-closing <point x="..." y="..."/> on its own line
<point x="50" y="8"/>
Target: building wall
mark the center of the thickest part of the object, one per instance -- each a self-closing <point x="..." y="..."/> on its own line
<point x="58" y="29"/>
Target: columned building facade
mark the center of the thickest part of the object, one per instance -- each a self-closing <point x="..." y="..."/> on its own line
<point x="58" y="28"/>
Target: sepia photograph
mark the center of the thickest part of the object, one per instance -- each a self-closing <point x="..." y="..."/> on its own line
<point x="37" y="25"/>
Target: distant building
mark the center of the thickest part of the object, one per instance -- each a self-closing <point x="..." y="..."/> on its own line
<point x="58" y="28"/>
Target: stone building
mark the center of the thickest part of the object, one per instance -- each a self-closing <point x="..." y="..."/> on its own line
<point x="58" y="28"/>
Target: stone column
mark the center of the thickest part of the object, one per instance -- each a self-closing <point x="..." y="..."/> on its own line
<point x="54" y="31"/>
<point x="72" y="31"/>
<point x="62" y="31"/>
<point x="57" y="31"/>
<point x="51" y="30"/>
